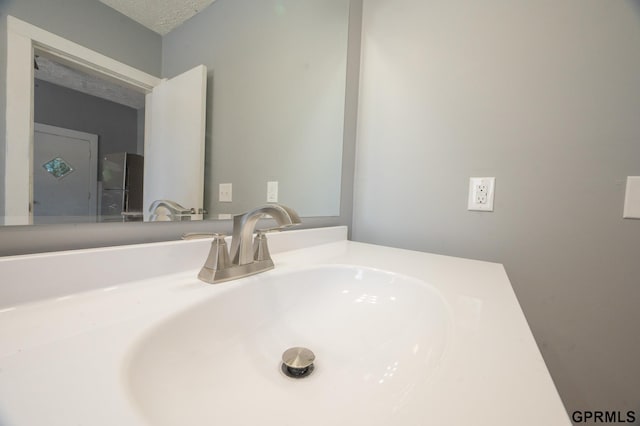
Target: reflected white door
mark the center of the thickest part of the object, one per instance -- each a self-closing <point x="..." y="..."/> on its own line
<point x="174" y="141"/>
<point x="65" y="164"/>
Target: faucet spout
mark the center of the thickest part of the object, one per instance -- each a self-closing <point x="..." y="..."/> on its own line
<point x="244" y="226"/>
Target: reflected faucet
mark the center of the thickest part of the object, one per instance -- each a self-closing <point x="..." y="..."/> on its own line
<point x="167" y="210"/>
<point x="248" y="255"/>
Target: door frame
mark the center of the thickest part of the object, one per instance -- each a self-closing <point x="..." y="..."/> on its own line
<point x="92" y="140"/>
<point x="23" y="40"/>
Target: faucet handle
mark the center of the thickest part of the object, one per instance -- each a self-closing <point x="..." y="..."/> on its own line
<point x="277" y="228"/>
<point x="260" y="247"/>
<point x="217" y="260"/>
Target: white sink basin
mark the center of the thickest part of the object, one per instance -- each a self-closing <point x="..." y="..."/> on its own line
<point x="378" y="337"/>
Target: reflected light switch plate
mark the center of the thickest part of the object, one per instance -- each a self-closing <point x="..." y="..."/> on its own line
<point x="632" y="198"/>
<point x="272" y="192"/>
<point x="225" y="193"/>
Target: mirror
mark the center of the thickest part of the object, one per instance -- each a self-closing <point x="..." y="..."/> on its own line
<point x="274" y="99"/>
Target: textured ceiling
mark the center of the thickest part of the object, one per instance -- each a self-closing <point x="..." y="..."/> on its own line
<point x="160" y="16"/>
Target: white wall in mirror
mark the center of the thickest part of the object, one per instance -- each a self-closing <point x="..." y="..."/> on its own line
<point x="174" y="142"/>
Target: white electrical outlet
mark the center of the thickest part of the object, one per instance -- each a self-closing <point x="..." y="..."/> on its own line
<point x="481" y="191"/>
<point x="272" y="192"/>
<point x="225" y="193"/>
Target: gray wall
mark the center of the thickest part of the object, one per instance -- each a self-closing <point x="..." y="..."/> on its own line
<point x="545" y="96"/>
<point x="89" y="23"/>
<point x="116" y="125"/>
<point x="275" y="107"/>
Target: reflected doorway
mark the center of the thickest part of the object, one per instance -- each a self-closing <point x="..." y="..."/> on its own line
<point x="70" y="99"/>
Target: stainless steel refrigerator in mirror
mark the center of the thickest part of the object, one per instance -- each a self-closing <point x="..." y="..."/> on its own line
<point x="122" y="183"/>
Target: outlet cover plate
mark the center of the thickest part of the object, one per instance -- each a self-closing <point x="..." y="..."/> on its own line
<point x="481" y="192"/>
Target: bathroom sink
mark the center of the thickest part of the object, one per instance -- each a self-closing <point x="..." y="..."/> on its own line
<point x="378" y="338"/>
<point x="404" y="338"/>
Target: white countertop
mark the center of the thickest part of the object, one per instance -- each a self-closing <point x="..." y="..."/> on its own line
<point x="62" y="358"/>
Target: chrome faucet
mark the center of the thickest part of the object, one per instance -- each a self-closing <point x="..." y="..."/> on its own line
<point x="248" y="255"/>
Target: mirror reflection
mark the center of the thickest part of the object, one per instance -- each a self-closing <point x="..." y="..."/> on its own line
<point x="273" y="103"/>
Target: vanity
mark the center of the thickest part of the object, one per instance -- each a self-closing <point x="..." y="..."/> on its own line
<point x="129" y="335"/>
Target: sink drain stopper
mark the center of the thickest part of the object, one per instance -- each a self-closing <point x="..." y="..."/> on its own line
<point x="297" y="362"/>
